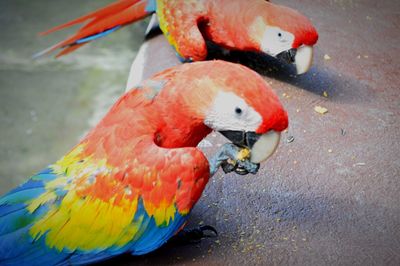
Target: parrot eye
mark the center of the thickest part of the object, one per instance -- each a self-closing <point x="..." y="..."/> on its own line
<point x="279" y="34"/>
<point x="231" y="112"/>
<point x="238" y="110"/>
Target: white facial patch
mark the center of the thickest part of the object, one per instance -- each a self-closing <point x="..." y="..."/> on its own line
<point x="276" y="40"/>
<point x="230" y="112"/>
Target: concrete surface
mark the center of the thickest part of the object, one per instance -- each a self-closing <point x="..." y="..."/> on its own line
<point x="330" y="197"/>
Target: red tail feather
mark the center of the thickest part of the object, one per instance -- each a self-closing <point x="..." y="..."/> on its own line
<point x="69" y="49"/>
<point x="120" y="13"/>
<point x="102" y="12"/>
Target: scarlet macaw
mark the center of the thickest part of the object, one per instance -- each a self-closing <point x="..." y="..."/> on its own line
<point x="130" y="184"/>
<point x="251" y="25"/>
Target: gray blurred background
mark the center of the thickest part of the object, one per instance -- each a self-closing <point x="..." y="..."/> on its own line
<point x="46" y="105"/>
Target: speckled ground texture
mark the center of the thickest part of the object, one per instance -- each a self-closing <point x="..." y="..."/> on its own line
<point x="330" y="196"/>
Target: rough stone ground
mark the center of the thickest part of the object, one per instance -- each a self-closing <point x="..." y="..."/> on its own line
<point x="330" y="197"/>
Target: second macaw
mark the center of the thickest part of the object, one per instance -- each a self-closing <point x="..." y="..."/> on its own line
<point x="251" y="25"/>
<point x="131" y="183"/>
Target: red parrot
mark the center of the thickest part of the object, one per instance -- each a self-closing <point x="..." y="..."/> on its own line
<point x="131" y="183"/>
<point x="251" y="25"/>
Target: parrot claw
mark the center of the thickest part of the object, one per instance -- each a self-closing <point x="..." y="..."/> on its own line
<point x="228" y="167"/>
<point x="205" y="228"/>
<point x="250" y="168"/>
<point x="234" y="162"/>
<point x="240" y="167"/>
<point x="195" y="235"/>
<point x="231" y="159"/>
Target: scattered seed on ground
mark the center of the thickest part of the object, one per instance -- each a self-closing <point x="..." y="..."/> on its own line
<point x="321" y="110"/>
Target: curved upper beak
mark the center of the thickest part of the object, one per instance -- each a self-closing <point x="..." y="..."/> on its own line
<point x="302" y="57"/>
<point x="261" y="146"/>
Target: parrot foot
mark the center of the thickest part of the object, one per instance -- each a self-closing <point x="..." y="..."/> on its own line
<point x="194" y="235"/>
<point x="240" y="167"/>
<point x="230" y="158"/>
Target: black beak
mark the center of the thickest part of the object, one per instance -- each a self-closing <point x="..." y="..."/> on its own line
<point x="287" y="56"/>
<point x="241" y="138"/>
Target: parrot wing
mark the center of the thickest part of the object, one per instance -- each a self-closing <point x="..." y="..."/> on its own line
<point x="101" y="23"/>
<point x="16" y="243"/>
<point x="80" y="211"/>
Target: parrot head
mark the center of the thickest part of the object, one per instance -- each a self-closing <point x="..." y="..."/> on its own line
<point x="286" y="34"/>
<point x="224" y="97"/>
<point x="261" y="26"/>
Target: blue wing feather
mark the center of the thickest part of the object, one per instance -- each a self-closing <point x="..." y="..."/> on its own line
<point x="8" y="209"/>
<point x="17" y="247"/>
<point x="29" y="190"/>
<point x="152" y="236"/>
